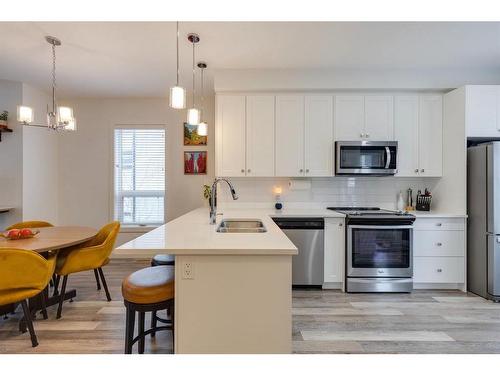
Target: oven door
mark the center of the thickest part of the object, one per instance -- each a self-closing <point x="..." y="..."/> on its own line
<point x="366" y="158"/>
<point x="380" y="251"/>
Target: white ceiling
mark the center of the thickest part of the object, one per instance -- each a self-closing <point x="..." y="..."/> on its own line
<point x="138" y="58"/>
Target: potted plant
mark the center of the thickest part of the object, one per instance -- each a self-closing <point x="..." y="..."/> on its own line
<point x="207" y="194"/>
<point x="4" y="116"/>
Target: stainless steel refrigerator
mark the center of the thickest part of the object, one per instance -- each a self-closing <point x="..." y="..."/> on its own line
<point x="483" y="229"/>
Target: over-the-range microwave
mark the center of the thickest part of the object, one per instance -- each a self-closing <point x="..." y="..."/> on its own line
<point x="366" y="158"/>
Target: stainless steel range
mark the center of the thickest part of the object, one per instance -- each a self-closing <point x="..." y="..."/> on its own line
<point x="379" y="249"/>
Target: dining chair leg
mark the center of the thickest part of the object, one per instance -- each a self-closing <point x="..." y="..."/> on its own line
<point x="56" y="284"/>
<point x="153" y="322"/>
<point x="129" y="329"/>
<point x="29" y="323"/>
<point x="96" y="274"/>
<point x="108" y="296"/>
<point x="44" y="295"/>
<point x="142" y="317"/>
<point x="61" y="298"/>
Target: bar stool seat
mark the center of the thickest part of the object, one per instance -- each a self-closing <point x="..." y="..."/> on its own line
<point x="148" y="290"/>
<point x="163" y="260"/>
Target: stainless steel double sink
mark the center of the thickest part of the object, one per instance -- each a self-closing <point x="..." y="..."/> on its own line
<point x="241" y="226"/>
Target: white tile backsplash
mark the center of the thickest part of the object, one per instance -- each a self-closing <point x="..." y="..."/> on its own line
<point x="333" y="191"/>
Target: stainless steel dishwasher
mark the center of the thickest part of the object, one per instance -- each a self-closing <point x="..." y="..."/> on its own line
<point x="308" y="235"/>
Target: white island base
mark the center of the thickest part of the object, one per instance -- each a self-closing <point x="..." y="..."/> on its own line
<point x="233" y="291"/>
<point x="246" y="308"/>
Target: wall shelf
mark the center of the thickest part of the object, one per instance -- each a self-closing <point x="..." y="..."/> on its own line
<point x="4" y="130"/>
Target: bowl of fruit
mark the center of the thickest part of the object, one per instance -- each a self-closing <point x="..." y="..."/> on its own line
<point x="20" y="234"/>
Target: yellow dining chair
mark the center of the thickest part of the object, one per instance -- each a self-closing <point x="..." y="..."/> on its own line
<point x="18" y="286"/>
<point x="34" y="224"/>
<point x="92" y="255"/>
<point x="30" y="224"/>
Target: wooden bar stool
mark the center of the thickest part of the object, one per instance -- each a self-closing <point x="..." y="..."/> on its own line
<point x="163" y="260"/>
<point x="160" y="260"/>
<point x="147" y="290"/>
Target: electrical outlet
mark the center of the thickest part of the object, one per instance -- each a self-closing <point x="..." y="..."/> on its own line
<point x="187" y="270"/>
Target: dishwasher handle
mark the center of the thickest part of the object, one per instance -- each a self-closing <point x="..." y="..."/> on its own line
<point x="300" y="223"/>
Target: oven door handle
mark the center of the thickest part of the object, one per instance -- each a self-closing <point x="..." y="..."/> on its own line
<point x="381" y="226"/>
<point x="388" y="157"/>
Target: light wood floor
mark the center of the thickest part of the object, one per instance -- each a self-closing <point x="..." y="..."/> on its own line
<point x="323" y="322"/>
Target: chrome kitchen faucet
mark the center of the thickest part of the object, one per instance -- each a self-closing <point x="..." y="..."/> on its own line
<point x="213" y="197"/>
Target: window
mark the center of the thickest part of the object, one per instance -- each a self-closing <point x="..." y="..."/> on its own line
<point x="139" y="178"/>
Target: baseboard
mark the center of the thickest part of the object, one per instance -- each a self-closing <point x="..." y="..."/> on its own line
<point x="451" y="286"/>
<point x="333" y="285"/>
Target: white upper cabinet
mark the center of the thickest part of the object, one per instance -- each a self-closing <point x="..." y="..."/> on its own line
<point x="349" y="117"/>
<point x="430" y="136"/>
<point x="406" y="133"/>
<point x="230" y="135"/>
<point x="418" y="128"/>
<point x="318" y="135"/>
<point x="379" y="122"/>
<point x="482" y="110"/>
<point x="360" y="117"/>
<point x="260" y="135"/>
<point x="290" y="135"/>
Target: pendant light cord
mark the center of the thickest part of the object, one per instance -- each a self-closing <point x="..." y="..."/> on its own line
<point x="202" y="69"/>
<point x="177" y="84"/>
<point x="53" y="78"/>
<point x="193" y="77"/>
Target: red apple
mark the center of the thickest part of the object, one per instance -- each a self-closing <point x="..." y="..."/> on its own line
<point x="26" y="232"/>
<point x="13" y="233"/>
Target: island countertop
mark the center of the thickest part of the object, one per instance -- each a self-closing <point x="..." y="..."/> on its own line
<point x="191" y="234"/>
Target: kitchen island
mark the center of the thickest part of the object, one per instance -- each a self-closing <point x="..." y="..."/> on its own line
<point x="233" y="291"/>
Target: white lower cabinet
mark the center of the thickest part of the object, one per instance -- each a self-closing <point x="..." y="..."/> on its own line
<point x="439" y="252"/>
<point x="438" y="270"/>
<point x="334" y="252"/>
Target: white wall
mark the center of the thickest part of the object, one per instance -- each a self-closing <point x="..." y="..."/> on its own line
<point x="348" y="79"/>
<point x="40" y="162"/>
<point x="85" y="158"/>
<point x="11" y="155"/>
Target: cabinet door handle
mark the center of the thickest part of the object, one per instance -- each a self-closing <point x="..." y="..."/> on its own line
<point x="439" y="224"/>
<point x="307" y="170"/>
<point x="422" y="170"/>
<point x="367" y="135"/>
<point x="416" y="170"/>
<point x="301" y="170"/>
<point x="439" y="244"/>
<point x="242" y="171"/>
<point x="439" y="270"/>
<point x="248" y="170"/>
<point x="361" y="135"/>
<point x="340" y="224"/>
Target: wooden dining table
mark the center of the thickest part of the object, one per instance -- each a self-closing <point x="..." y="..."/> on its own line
<point x="50" y="239"/>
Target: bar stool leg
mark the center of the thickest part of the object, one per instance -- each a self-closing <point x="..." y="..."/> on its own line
<point x="129" y="329"/>
<point x="142" y="317"/>
<point x="172" y="309"/>
<point x="153" y="322"/>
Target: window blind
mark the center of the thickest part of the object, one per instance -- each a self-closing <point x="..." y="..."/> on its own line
<point x="139" y="179"/>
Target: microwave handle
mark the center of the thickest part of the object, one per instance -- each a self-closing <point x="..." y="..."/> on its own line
<point x="388" y="157"/>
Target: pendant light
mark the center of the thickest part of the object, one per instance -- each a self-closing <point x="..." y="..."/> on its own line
<point x="58" y="118"/>
<point x="177" y="93"/>
<point x="202" y="126"/>
<point x="193" y="115"/>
